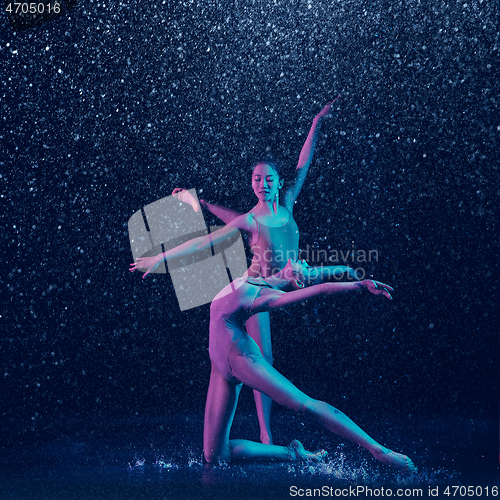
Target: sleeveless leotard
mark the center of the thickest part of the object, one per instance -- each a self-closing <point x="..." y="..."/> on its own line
<point x="274" y="246"/>
<point x="229" y="311"/>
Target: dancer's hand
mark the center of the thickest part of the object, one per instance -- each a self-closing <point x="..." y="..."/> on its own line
<point x="149" y="263"/>
<point x="378" y="288"/>
<point x="324" y="112"/>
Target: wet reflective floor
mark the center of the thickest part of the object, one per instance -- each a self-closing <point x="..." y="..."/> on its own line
<point x="155" y="458"/>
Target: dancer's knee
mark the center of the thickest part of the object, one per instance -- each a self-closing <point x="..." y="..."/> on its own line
<point x="209" y="456"/>
<point x="306" y="407"/>
<point x="314" y="408"/>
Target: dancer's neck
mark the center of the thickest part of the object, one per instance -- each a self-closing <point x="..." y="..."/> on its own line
<point x="267" y="207"/>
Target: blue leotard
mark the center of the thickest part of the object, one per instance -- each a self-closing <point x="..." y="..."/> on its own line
<point x="274" y="246"/>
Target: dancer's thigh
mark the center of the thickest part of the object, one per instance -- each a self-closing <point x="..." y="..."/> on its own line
<point x="258" y="327"/>
<point x="222" y="399"/>
<point x="249" y="367"/>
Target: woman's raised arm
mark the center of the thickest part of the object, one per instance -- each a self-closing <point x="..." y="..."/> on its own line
<point x="305" y="158"/>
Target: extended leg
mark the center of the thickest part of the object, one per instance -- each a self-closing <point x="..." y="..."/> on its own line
<point x="259" y="328"/>
<point x="252" y="369"/>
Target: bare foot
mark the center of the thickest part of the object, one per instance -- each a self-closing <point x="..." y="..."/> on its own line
<point x="185" y="196"/>
<point x="395" y="460"/>
<point x="300" y="454"/>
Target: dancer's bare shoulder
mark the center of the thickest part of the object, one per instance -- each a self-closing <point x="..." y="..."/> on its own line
<point x="245" y="222"/>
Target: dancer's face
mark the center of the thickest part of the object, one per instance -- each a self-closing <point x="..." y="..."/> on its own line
<point x="265" y="182"/>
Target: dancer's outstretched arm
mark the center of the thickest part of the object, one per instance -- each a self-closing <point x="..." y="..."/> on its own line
<point x="226" y="215"/>
<point x="305" y="158"/>
<point x="274" y="299"/>
<point x="244" y="222"/>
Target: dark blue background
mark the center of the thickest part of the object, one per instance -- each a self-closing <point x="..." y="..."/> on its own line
<point x="110" y="107"/>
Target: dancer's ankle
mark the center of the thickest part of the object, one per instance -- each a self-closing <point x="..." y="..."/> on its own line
<point x="379" y="451"/>
<point x="298" y="453"/>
